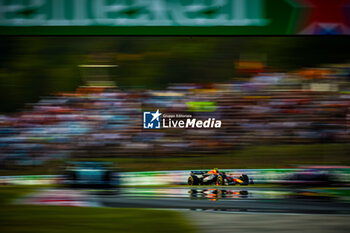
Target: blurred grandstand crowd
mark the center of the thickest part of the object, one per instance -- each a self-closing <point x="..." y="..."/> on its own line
<point x="305" y="106"/>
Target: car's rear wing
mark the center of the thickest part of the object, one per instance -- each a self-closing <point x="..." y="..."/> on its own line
<point x="88" y="164"/>
<point x="199" y="172"/>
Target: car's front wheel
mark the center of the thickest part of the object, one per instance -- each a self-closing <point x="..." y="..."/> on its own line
<point x="245" y="179"/>
<point x="220" y="180"/>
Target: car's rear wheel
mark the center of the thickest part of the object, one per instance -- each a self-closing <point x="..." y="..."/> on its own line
<point x="193" y="180"/>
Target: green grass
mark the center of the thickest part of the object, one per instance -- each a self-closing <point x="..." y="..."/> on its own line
<point x="274" y="156"/>
<point x="10" y="192"/>
<point x="54" y="219"/>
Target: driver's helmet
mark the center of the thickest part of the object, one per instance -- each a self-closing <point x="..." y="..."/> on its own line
<point x="216" y="170"/>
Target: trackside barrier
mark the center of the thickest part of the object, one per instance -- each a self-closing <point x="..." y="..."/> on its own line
<point x="29" y="180"/>
<point x="179" y="177"/>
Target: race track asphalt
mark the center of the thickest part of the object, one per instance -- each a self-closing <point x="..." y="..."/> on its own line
<point x="237" y="199"/>
<point x="223" y="209"/>
<point x="244" y="209"/>
<point x="223" y="222"/>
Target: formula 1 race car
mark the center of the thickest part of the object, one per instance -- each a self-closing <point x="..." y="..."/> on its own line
<point x="90" y="174"/>
<point x="203" y="178"/>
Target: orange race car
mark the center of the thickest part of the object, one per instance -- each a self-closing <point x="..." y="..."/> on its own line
<point x="215" y="177"/>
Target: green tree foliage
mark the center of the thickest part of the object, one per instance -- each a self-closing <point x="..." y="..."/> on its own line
<point x="31" y="67"/>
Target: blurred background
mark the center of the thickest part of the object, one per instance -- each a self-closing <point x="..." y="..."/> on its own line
<point x="282" y="100"/>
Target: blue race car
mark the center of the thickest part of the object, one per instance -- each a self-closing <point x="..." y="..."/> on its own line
<point x="91" y="174"/>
